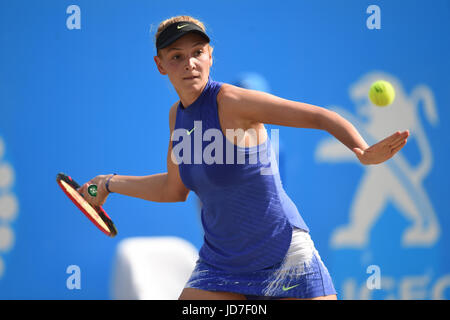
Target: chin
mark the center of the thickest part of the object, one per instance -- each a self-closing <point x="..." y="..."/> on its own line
<point x="196" y="84"/>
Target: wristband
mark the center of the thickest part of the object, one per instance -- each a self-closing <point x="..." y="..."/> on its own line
<point x="107" y="183"/>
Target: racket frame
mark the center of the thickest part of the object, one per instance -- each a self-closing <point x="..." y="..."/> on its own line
<point x="102" y="214"/>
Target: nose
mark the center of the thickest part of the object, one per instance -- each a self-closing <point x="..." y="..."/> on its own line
<point x="190" y="64"/>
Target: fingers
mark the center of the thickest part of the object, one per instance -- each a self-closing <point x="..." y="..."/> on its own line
<point x="82" y="190"/>
<point x="395" y="140"/>
<point x="391" y="138"/>
<point x="398" y="143"/>
<point x="397" y="137"/>
<point x="90" y="199"/>
<point x="403" y="135"/>
<point x="398" y="147"/>
<point x="102" y="193"/>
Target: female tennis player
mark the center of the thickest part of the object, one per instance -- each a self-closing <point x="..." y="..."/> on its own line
<point x="256" y="244"/>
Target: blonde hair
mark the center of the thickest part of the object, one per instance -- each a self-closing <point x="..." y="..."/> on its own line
<point x="164" y="24"/>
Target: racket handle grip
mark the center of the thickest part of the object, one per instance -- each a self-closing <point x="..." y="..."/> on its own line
<point x="107" y="182"/>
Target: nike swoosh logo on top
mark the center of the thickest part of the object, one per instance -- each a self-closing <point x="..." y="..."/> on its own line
<point x="289" y="288"/>
<point x="189" y="132"/>
<point x="184" y="25"/>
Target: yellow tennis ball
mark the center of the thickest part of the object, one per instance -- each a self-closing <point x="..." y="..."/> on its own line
<point x="381" y="93"/>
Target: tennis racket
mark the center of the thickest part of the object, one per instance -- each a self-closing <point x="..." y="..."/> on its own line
<point x="96" y="214"/>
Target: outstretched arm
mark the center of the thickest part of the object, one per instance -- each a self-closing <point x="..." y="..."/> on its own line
<point x="345" y="132"/>
<point x="260" y="107"/>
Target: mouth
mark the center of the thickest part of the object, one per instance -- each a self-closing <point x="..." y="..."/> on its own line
<point x="191" y="78"/>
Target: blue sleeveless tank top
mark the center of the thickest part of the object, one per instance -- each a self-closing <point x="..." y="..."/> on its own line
<point x="246" y="215"/>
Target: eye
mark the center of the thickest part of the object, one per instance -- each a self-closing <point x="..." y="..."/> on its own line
<point x="176" y="57"/>
<point x="198" y="52"/>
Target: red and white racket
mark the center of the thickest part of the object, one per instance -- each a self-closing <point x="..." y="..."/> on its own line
<point x="96" y="214"/>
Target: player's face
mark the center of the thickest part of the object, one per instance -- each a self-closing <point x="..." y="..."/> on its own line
<point x="186" y="62"/>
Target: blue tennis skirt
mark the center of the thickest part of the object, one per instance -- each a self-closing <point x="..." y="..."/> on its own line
<point x="301" y="274"/>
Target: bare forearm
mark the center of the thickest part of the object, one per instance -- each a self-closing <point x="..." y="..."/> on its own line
<point x="342" y="130"/>
<point x="151" y="187"/>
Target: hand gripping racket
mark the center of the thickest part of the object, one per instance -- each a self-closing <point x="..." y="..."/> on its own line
<point x="96" y="214"/>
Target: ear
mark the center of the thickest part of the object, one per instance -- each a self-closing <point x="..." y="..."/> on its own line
<point x="210" y="56"/>
<point x="159" y="65"/>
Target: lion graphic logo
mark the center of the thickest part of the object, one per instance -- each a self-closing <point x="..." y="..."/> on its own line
<point x="395" y="181"/>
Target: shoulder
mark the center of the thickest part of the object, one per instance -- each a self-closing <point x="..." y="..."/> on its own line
<point x="234" y="104"/>
<point x="238" y="98"/>
<point x="231" y="99"/>
<point x="240" y="101"/>
<point x="227" y="99"/>
<point x="229" y="93"/>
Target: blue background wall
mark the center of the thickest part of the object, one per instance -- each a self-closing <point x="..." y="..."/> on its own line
<point x="91" y="101"/>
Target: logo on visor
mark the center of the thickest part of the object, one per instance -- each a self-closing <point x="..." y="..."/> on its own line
<point x="184" y="25"/>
